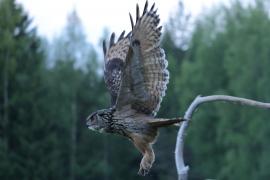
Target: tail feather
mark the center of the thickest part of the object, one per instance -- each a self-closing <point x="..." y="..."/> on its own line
<point x="161" y="122"/>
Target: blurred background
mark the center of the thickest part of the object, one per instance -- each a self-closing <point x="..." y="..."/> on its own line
<point x="51" y="80"/>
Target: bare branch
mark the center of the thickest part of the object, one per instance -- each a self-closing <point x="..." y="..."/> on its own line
<point x="182" y="170"/>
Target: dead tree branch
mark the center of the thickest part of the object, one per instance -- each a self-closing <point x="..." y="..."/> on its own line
<point x="182" y="169"/>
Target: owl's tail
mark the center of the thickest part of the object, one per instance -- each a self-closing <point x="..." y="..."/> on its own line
<point x="161" y="122"/>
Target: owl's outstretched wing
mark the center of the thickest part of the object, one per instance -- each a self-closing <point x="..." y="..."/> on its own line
<point x="145" y="75"/>
<point x="114" y="58"/>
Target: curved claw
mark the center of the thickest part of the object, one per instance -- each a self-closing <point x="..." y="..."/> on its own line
<point x="142" y="171"/>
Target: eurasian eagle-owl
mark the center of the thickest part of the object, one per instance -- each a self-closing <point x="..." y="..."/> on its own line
<point x="136" y="76"/>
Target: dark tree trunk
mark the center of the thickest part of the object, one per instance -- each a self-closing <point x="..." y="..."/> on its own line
<point x="6" y="100"/>
<point x="73" y="141"/>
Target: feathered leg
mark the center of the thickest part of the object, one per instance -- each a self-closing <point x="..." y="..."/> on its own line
<point x="145" y="147"/>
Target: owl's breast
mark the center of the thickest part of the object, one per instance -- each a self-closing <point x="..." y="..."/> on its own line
<point x="128" y="122"/>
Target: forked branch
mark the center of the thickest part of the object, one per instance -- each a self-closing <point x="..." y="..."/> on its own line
<point x="182" y="170"/>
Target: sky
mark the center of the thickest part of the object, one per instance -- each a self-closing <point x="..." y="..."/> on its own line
<point x="49" y="16"/>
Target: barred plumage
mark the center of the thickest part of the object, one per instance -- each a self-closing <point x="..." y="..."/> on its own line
<point x="136" y="76"/>
<point x="154" y="64"/>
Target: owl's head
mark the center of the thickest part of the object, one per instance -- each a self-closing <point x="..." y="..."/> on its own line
<point x="99" y="120"/>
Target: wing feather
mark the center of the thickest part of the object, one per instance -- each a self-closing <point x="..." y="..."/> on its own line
<point x="115" y="58"/>
<point x="150" y="63"/>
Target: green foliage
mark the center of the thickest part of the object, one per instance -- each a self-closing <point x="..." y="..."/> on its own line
<point x="46" y="94"/>
<point x="22" y="137"/>
<point x="227" y="141"/>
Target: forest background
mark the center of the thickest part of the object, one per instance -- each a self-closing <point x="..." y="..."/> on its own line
<point x="47" y="89"/>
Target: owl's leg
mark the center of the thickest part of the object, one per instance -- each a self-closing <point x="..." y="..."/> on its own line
<point x="148" y="154"/>
<point x="147" y="160"/>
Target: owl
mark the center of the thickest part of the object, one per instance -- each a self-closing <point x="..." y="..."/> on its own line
<point x="136" y="75"/>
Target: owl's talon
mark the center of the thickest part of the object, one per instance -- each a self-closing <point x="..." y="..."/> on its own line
<point x="143" y="172"/>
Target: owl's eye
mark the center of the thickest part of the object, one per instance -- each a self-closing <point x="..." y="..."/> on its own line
<point x="101" y="114"/>
<point x="91" y="118"/>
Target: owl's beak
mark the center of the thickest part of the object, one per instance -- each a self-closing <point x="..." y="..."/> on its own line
<point x="88" y="123"/>
<point x="88" y="120"/>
